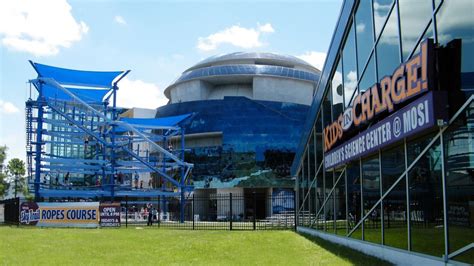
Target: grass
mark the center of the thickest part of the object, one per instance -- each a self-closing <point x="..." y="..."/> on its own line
<point x="58" y="246"/>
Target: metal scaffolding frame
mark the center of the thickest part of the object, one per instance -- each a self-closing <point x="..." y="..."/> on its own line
<point x="72" y="128"/>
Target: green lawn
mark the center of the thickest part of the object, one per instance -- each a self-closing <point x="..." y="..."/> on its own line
<point x="154" y="246"/>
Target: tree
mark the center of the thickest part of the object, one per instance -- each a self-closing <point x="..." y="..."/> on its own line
<point x="3" y="176"/>
<point x="16" y="169"/>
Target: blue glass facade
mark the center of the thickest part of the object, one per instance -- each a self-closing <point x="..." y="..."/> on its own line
<point x="259" y="139"/>
<point x="416" y="195"/>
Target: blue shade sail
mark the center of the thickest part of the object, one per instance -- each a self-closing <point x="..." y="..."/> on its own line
<point x="87" y="95"/>
<point x="168" y="121"/>
<point x="77" y="77"/>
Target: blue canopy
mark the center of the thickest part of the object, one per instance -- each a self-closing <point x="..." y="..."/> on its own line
<point x="87" y="95"/>
<point x="77" y="77"/>
<point x="168" y="121"/>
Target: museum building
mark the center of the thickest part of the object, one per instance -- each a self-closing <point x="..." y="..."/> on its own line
<point x="386" y="160"/>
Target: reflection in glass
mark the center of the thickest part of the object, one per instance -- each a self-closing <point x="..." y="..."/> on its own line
<point x="337" y="92"/>
<point x="320" y="200"/>
<point x="329" y="207"/>
<point x="414" y="16"/>
<point x="350" y="67"/>
<point x="365" y="36"/>
<point x="394" y="204"/>
<point x="353" y="193"/>
<point x="327" y="113"/>
<point x="340" y="201"/>
<point x="319" y="141"/>
<point x="459" y="153"/>
<point x="395" y="216"/>
<point x="426" y="200"/>
<point x="368" y="79"/>
<point x="393" y="165"/>
<point x="455" y="19"/>
<point x="388" y="52"/>
<point x="381" y="10"/>
<point x="370" y="195"/>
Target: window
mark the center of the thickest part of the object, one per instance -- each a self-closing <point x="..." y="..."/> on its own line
<point x="459" y="157"/>
<point x="414" y="16"/>
<point x="388" y="52"/>
<point x="364" y="33"/>
<point x="337" y="92"/>
<point x="370" y="195"/>
<point x="426" y="199"/>
<point x="381" y="10"/>
<point x="349" y="66"/>
<point x="394" y="204"/>
<point x="455" y="19"/>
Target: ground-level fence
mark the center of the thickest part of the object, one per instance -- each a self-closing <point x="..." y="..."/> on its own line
<point x="247" y="211"/>
<point x="251" y="211"/>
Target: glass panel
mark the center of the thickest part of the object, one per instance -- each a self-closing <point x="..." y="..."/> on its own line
<point x="426" y="204"/>
<point x="319" y="141"/>
<point x="373" y="227"/>
<point x="327" y="114"/>
<point x="340" y="198"/>
<point x="388" y="52"/>
<point x="381" y="10"/>
<point x="428" y="34"/>
<point x="459" y="152"/>
<point x="393" y="165"/>
<point x="337" y="91"/>
<point x="368" y="80"/>
<point x="365" y="36"/>
<point x="395" y="218"/>
<point x="320" y="200"/>
<point x="455" y="19"/>
<point x="329" y="207"/>
<point x="394" y="205"/>
<point x="350" y="67"/>
<point x="414" y="16"/>
<point x="353" y="193"/>
<point x="371" y="194"/>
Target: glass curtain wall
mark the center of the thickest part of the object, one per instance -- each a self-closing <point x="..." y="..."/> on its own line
<point x="398" y="196"/>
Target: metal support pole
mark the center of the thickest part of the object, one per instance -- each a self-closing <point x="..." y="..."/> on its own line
<point x="231" y="215"/>
<point x="294" y="209"/>
<point x="254" y="211"/>
<point x="126" y="211"/>
<point x="193" y="212"/>
<point x="182" y="178"/>
<point x="445" y="200"/>
<point x="112" y="140"/>
<point x="407" y="192"/>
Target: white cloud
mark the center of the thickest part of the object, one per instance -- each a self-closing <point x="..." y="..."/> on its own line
<point x="266" y="28"/>
<point x="137" y="93"/>
<point x="8" y="108"/>
<point x="39" y="27"/>
<point x="360" y="27"/>
<point x="235" y="35"/>
<point x="120" y="20"/>
<point x="314" y="58"/>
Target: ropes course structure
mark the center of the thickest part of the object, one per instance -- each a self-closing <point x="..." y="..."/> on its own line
<point x="78" y="145"/>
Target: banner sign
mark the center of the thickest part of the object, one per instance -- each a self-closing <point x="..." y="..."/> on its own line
<point x="110" y="214"/>
<point x="413" y="118"/>
<point x="408" y="81"/>
<point x="282" y="200"/>
<point x="60" y="214"/>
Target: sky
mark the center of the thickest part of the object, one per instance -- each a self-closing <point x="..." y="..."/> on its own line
<point x="157" y="40"/>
